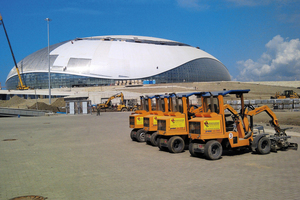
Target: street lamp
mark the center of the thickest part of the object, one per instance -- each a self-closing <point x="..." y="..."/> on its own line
<point x="49" y="77"/>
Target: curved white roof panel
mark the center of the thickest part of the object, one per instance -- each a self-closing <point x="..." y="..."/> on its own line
<point x="112" y="57"/>
<point x="108" y="60"/>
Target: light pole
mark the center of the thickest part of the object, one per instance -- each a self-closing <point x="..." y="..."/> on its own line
<point x="49" y="77"/>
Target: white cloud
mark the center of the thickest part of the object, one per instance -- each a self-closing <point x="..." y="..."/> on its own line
<point x="193" y="4"/>
<point x="281" y="61"/>
<point x="248" y="2"/>
<point x="293" y="18"/>
<point x="260" y="3"/>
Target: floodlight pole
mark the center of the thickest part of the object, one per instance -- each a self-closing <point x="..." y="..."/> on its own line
<point x="49" y="75"/>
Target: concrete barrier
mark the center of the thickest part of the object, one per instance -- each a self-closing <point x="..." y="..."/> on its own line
<point x="20" y="112"/>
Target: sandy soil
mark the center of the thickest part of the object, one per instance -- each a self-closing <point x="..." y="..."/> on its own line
<point x="257" y="91"/>
<point x="40" y="104"/>
<point x="285" y="119"/>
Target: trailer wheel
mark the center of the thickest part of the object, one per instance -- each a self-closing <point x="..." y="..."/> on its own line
<point x="153" y="138"/>
<point x="264" y="146"/>
<point x="159" y="144"/>
<point x="140" y="135"/>
<point x="132" y="134"/>
<point x="213" y="150"/>
<point x="147" y="136"/>
<point x="192" y="151"/>
<point x="124" y="110"/>
<point x="176" y="144"/>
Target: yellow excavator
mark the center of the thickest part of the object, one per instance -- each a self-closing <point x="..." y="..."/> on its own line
<point x="121" y="107"/>
<point x="286" y="94"/>
<point x="21" y="85"/>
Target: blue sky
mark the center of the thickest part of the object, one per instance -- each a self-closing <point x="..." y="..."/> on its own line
<point x="257" y="40"/>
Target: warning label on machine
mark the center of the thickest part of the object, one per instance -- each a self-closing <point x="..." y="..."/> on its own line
<point x="140" y="120"/>
<point x="177" y="123"/>
<point x="212" y="125"/>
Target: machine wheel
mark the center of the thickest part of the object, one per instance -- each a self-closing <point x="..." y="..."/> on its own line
<point x="192" y="151"/>
<point x="147" y="135"/>
<point x="159" y="144"/>
<point x="132" y="134"/>
<point x="153" y="138"/>
<point x="124" y="110"/>
<point x="213" y="150"/>
<point x="176" y="144"/>
<point x="140" y="135"/>
<point x="134" y="109"/>
<point x="264" y="146"/>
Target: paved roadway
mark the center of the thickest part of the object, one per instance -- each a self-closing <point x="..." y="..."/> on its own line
<point x="93" y="157"/>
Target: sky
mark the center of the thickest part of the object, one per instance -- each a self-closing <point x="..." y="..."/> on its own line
<point x="257" y="40"/>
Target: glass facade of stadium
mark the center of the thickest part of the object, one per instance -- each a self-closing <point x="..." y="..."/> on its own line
<point x="198" y="70"/>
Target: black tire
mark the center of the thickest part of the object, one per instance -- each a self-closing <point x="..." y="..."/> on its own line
<point x="264" y="146"/>
<point x="161" y="148"/>
<point x="213" y="150"/>
<point x="158" y="143"/>
<point x="134" y="109"/>
<point x="153" y="138"/>
<point x="176" y="144"/>
<point x="147" y="135"/>
<point x="140" y="135"/>
<point x="192" y="151"/>
<point x="124" y="110"/>
<point x="132" y="134"/>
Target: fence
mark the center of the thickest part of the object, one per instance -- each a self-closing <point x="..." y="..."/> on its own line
<point x="272" y="103"/>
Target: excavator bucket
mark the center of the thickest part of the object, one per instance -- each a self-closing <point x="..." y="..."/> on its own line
<point x="279" y="141"/>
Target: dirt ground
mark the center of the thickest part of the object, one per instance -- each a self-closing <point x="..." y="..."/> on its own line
<point x="285" y="119"/>
<point x="64" y="157"/>
<point x="257" y="91"/>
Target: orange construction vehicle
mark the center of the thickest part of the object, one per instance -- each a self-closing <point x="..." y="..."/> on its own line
<point x="214" y="130"/>
<point x="136" y="119"/>
<point x="150" y="121"/>
<point x="172" y="128"/>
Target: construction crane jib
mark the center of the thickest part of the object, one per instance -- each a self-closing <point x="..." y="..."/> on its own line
<point x="21" y="85"/>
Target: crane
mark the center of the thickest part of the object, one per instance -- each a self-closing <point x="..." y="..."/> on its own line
<point x="21" y="85"/>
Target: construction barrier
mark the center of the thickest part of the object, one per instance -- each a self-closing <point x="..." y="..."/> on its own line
<point x="272" y="103"/>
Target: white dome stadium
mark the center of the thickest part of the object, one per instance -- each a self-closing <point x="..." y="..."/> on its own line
<point x="106" y="60"/>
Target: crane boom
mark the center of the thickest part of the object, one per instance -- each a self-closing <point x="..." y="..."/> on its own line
<point x="21" y="85"/>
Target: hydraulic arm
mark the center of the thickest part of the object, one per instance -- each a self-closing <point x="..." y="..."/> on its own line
<point x="280" y="138"/>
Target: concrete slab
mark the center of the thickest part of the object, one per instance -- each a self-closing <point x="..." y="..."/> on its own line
<point x="92" y="157"/>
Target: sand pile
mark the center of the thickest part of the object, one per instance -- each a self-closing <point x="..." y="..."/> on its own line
<point x="15" y="100"/>
<point x="43" y="106"/>
<point x="56" y="106"/>
<point x="60" y="102"/>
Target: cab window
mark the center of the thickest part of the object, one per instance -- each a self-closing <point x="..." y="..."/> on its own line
<point x="212" y="105"/>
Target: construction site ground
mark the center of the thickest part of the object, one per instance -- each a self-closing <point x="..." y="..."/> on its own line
<point x="258" y="90"/>
<point x="92" y="157"/>
<point x="67" y="157"/>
